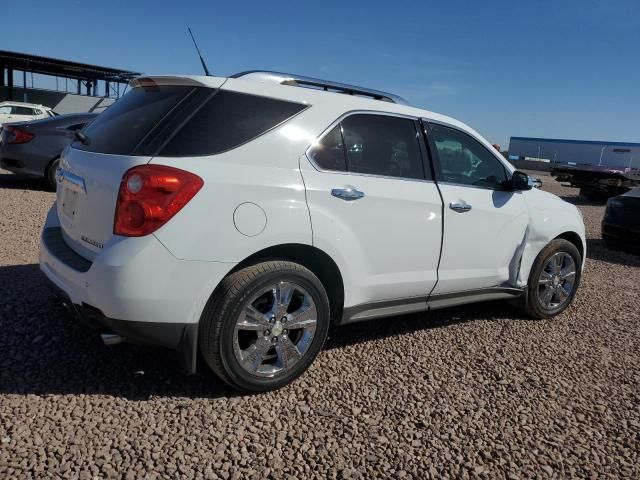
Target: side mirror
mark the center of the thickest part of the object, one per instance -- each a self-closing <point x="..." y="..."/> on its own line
<point x="520" y="181"/>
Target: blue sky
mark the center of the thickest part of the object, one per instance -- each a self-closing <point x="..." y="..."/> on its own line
<point x="563" y="68"/>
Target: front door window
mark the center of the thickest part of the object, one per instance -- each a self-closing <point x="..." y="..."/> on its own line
<point x="465" y="161"/>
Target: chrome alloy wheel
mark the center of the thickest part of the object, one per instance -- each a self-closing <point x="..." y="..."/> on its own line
<point x="557" y="281"/>
<point x="275" y="329"/>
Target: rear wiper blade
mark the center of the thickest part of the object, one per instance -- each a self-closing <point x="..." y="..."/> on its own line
<point x="81" y="137"/>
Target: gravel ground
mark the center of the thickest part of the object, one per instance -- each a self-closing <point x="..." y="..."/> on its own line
<point x="478" y="391"/>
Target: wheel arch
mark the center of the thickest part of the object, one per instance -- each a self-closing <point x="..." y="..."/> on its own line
<point x="49" y="165"/>
<point x="535" y="241"/>
<point x="316" y="260"/>
<point x="576" y="240"/>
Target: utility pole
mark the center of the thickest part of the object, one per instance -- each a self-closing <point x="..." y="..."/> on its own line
<point x="601" y="152"/>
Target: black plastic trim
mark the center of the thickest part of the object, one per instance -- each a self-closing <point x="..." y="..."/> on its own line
<point x="391" y="308"/>
<point x="473" y="293"/>
<point x="54" y="241"/>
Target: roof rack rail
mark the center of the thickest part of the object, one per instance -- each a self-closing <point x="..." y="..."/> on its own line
<point x="310" y="82"/>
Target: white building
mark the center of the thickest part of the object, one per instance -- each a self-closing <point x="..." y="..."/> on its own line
<point x="575" y="152"/>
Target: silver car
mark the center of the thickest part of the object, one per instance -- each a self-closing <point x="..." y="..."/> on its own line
<point x="34" y="148"/>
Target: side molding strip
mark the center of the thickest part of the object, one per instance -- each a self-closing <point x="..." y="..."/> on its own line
<point x="392" y="308"/>
<point x="472" y="296"/>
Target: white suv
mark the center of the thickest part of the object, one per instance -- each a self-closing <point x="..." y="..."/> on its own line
<point x="242" y="216"/>
<point x="11" y="112"/>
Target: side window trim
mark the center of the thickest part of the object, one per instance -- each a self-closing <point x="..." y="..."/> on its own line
<point x="433" y="151"/>
<point x="426" y="157"/>
<point x="437" y="167"/>
<point x="344" y="147"/>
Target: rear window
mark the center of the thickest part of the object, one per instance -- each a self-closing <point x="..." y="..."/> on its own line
<point x="126" y="123"/>
<point x="176" y="121"/>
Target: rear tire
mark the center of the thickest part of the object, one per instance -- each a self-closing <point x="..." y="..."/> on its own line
<point x="50" y="174"/>
<point x="244" y="343"/>
<point x="593" y="195"/>
<point x="554" y="279"/>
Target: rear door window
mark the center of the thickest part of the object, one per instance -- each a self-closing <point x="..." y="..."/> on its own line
<point x="329" y="153"/>
<point x="372" y="144"/>
<point x="382" y="145"/>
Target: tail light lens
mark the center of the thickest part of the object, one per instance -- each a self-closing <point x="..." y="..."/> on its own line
<point x="13" y="135"/>
<point x="149" y="196"/>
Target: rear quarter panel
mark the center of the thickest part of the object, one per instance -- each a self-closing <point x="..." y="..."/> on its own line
<point x="263" y="172"/>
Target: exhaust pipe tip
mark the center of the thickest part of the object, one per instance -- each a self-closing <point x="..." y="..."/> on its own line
<point x="110" y="339"/>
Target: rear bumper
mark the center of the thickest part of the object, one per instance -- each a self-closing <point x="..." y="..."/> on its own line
<point x="177" y="336"/>
<point x="24" y="164"/>
<point x="134" y="288"/>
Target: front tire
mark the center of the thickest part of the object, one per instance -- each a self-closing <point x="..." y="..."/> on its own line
<point x="554" y="279"/>
<point x="264" y="325"/>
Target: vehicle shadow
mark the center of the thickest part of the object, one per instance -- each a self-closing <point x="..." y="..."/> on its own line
<point x="22" y="182"/>
<point x="43" y="350"/>
<point x="579" y="200"/>
<point x="597" y="249"/>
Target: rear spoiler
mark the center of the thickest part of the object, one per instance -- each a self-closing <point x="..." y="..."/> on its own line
<point x="156" y="81"/>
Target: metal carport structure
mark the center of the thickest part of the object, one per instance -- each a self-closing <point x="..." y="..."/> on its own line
<point x="86" y="76"/>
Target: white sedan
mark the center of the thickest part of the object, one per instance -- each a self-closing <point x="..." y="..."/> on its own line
<point x="11" y="112"/>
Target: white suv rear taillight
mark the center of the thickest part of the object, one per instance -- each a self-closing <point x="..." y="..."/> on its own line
<point x="149" y="196"/>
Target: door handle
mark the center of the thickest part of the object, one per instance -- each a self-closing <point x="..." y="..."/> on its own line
<point x="349" y="193"/>
<point x="460" y="207"/>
